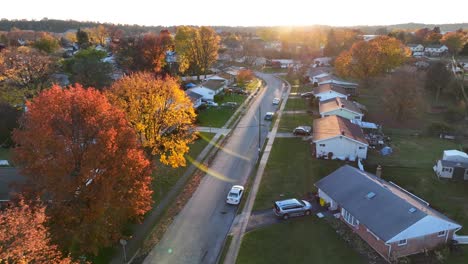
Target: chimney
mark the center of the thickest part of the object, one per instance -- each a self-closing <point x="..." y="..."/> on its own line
<point x="378" y="172"/>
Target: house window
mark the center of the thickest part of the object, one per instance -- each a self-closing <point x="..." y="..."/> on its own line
<point x="357" y="117"/>
<point x="362" y="147"/>
<point x="402" y="242"/>
<point x="322" y="145"/>
<point x="442" y="233"/>
<point x="349" y="218"/>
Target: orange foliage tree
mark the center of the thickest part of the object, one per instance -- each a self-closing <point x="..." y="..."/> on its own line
<point x="368" y="59"/>
<point x="24" y="238"/>
<point x="79" y="153"/>
<point x="244" y="76"/>
<point x="160" y="112"/>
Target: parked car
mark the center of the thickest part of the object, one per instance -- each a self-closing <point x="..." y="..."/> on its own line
<point x="229" y="104"/>
<point x="269" y="116"/>
<point x="291" y="207"/>
<point x="307" y="95"/>
<point x="211" y="103"/>
<point x="276" y="101"/>
<point x="235" y="194"/>
<point x="302" y="130"/>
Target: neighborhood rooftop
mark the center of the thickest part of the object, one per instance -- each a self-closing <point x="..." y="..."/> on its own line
<point x="388" y="212"/>
<point x="323" y="88"/>
<point x="213" y="84"/>
<point x="333" y="126"/>
<point x="338" y="103"/>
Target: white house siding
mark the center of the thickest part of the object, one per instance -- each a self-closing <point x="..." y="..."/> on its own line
<point x="327" y="199"/>
<point x="425" y="226"/>
<point x="330" y="95"/>
<point x="207" y="94"/>
<point x="439" y="170"/>
<point x="341" y="147"/>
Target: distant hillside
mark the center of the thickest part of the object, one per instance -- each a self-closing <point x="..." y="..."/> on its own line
<point x="413" y="27"/>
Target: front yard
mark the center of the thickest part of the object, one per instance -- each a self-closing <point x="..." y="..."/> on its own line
<point x="218" y="116"/>
<point x="298" y="104"/>
<point x="290" y="121"/>
<point x="165" y="176"/>
<point x="301" y="240"/>
<point x="291" y="171"/>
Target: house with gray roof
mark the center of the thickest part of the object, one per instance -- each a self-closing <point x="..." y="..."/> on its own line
<point x="195" y="98"/>
<point x="210" y="88"/>
<point x="329" y="91"/>
<point x="435" y="50"/>
<point x="340" y="107"/>
<point x="393" y="221"/>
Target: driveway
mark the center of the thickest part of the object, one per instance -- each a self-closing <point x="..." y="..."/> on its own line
<point x="197" y="233"/>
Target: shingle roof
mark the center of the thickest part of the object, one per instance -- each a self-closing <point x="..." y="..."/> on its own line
<point x="333" y="126"/>
<point x="213" y="84"/>
<point x="337" y="103"/>
<point x="193" y="96"/>
<point x="435" y="46"/>
<point x="323" y="88"/>
<point x="452" y="164"/>
<point x="386" y="214"/>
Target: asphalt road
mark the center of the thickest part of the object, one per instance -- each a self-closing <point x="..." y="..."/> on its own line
<point x="197" y="233"/>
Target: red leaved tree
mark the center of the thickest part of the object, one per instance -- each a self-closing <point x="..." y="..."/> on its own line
<point x="24" y="238"/>
<point x="81" y="155"/>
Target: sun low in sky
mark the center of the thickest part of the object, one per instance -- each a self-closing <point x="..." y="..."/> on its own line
<point x="242" y="12"/>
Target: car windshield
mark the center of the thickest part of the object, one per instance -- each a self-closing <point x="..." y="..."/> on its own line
<point x="302" y="203"/>
<point x="234" y="195"/>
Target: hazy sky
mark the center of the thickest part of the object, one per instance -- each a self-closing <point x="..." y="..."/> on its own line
<point x="242" y="12"/>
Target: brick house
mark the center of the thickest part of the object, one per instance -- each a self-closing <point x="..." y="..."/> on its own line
<point x="393" y="221"/>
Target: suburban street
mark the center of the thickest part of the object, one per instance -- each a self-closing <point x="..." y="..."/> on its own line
<point x="197" y="233"/>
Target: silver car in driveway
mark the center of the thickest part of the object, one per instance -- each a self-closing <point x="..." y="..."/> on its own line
<point x="291" y="207"/>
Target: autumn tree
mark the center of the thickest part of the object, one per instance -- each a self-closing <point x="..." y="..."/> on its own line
<point x="79" y="153"/>
<point x="438" y="78"/>
<point x="97" y="34"/>
<point x="244" y="76"/>
<point x="455" y="41"/>
<point x="403" y="92"/>
<point x="82" y="38"/>
<point x="368" y="59"/>
<point x="160" y="112"/>
<point x="24" y="237"/>
<point x="197" y="49"/>
<point x="47" y="43"/>
<point x="88" y="68"/>
<point x="25" y="70"/>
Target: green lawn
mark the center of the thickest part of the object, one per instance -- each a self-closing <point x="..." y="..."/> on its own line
<point x="165" y="177"/>
<point x="5" y="154"/>
<point x="291" y="172"/>
<point x="302" y="240"/>
<point x="290" y="121"/>
<point x="218" y="116"/>
<point x="297" y="104"/>
<point x="297" y="88"/>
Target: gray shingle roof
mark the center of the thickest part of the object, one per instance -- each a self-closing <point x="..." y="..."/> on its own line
<point x="452" y="164"/>
<point x="387" y="214"/>
<point x="213" y="84"/>
<point x="336" y="104"/>
<point x="323" y="88"/>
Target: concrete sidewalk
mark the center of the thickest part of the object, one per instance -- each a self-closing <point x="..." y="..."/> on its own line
<point x="216" y="130"/>
<point x="240" y="226"/>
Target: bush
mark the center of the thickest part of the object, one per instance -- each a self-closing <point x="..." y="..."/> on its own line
<point x="454" y="115"/>
<point x="435" y="129"/>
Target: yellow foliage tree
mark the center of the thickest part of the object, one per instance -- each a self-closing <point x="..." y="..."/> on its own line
<point x="160" y="112"/>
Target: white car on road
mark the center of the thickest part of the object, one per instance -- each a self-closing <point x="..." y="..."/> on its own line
<point x="235" y="194"/>
<point x="276" y="101"/>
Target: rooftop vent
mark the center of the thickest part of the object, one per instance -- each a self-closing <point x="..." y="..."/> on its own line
<point x="412" y="210"/>
<point x="370" y="195"/>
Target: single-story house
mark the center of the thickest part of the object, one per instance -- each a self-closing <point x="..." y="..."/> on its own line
<point x="349" y="87"/>
<point x="453" y="165"/>
<point x="393" y="221"/>
<point x="209" y="89"/>
<point x="341" y="107"/>
<point x="417" y="50"/>
<point x="195" y="98"/>
<point x="322" y="61"/>
<point x="283" y="63"/>
<point x="8" y="178"/>
<point x="224" y="76"/>
<point x="336" y="137"/>
<point x="328" y="91"/>
<point x="435" y="50"/>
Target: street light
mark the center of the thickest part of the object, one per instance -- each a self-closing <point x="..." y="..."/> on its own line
<point x="123" y="242"/>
